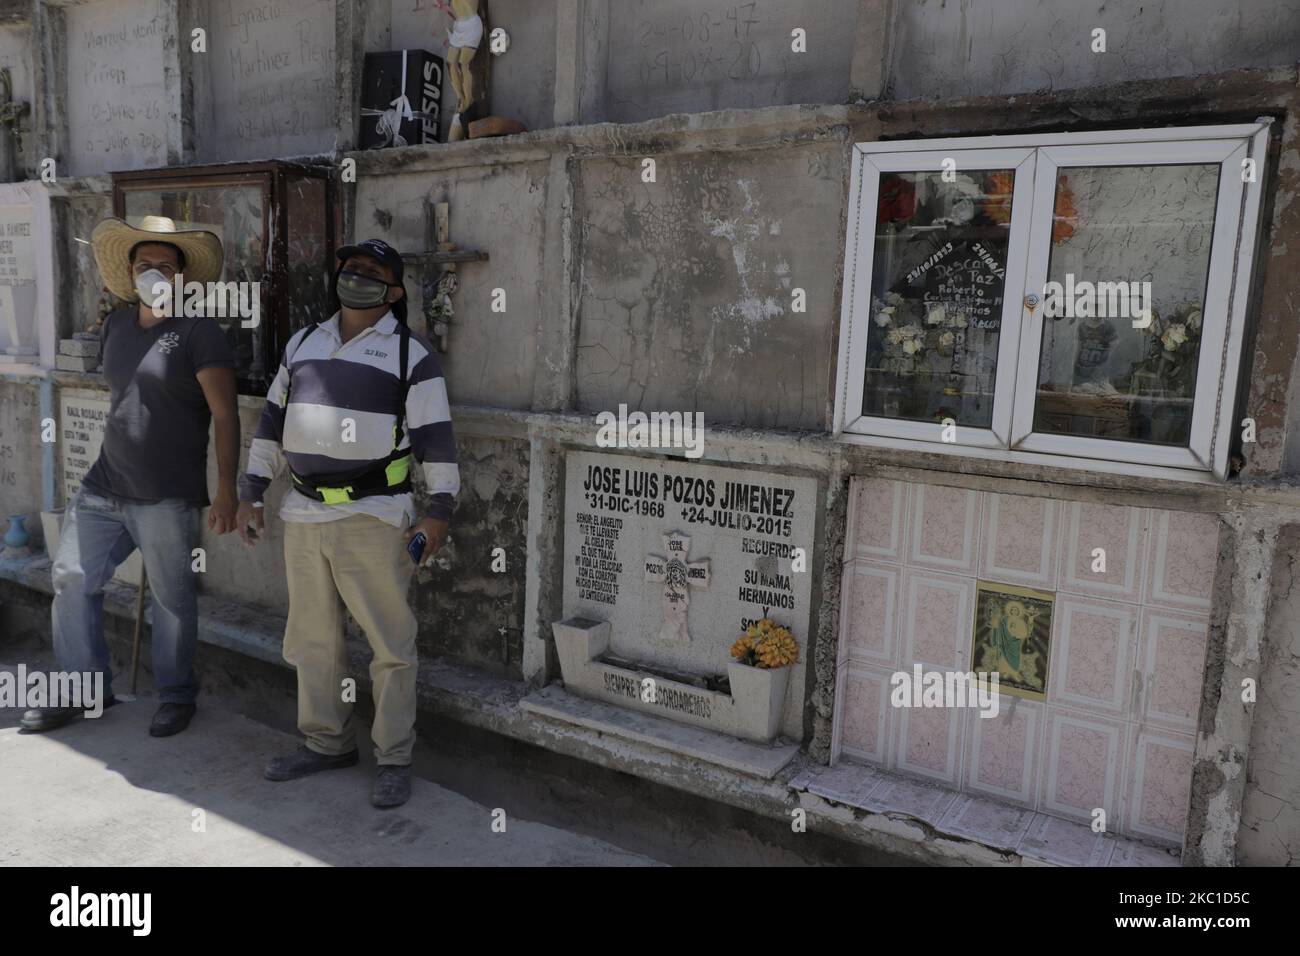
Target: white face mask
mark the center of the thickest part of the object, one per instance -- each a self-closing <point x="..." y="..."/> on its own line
<point x="144" y="284"/>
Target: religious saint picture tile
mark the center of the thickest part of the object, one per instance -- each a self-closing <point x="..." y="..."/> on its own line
<point x="1012" y="636"/>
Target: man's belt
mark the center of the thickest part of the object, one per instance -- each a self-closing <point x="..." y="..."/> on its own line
<point x="390" y="477"/>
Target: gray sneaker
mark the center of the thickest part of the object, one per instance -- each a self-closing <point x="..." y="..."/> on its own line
<point x="392" y="786"/>
<point x="304" y="761"/>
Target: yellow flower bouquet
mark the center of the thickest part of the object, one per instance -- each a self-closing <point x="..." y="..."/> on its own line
<point x="766" y="644"/>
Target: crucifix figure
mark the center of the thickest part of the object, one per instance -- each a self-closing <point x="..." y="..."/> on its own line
<point x="463" y="40"/>
<point x="12" y="113"/>
<point x="678" y="575"/>
<point x="439" y="280"/>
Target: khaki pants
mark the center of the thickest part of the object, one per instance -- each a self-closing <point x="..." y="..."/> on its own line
<point x="360" y="562"/>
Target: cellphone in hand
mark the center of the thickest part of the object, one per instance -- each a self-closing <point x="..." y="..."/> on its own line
<point x="415" y="547"/>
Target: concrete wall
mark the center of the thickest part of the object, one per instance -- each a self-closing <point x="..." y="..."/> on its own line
<point x="79" y="283"/>
<point x="267" y="83"/>
<point x="468" y="611"/>
<point x="1270" y="813"/>
<point x="117" y="107"/>
<point x="495" y="208"/>
<point x="685" y="299"/>
<point x="685" y="56"/>
<point x="20" y="450"/>
<point x="947" y="48"/>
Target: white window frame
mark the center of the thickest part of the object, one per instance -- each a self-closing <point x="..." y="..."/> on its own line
<point x="1036" y="160"/>
<point x="1021" y="162"/>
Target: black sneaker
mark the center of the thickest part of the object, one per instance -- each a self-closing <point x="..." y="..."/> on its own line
<point x="40" y="719"/>
<point x="304" y="761"/>
<point x="392" y="786"/>
<point x="171" y="719"/>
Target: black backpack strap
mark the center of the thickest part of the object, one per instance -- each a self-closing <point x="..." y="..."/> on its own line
<point x="289" y="359"/>
<point x="403" y="355"/>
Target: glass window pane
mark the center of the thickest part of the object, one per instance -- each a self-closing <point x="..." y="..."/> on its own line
<point x="234" y="213"/>
<point x="310" y="261"/>
<point x="1125" y="238"/>
<point x="938" y="274"/>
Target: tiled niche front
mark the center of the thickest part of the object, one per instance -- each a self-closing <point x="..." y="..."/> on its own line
<point x="1127" y="648"/>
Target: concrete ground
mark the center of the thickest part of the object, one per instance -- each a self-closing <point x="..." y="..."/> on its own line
<point x="103" y="792"/>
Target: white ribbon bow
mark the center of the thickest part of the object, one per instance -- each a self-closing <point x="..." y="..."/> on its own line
<point x="390" y="120"/>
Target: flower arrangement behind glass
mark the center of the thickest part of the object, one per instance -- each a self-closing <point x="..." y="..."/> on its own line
<point x="911" y="331"/>
<point x="1172" y="348"/>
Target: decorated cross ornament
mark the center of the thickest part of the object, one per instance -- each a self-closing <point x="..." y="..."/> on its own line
<point x="678" y="575"/>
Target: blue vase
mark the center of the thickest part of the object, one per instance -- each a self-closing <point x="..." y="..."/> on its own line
<point x="17" y="536"/>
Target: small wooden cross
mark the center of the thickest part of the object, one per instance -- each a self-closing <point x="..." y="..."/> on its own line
<point x="438" y="276"/>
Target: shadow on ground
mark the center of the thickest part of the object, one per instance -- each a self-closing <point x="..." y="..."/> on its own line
<point x="104" y="792"/>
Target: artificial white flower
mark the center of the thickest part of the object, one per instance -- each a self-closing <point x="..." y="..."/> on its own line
<point x="912" y="346"/>
<point x="885" y="316"/>
<point x="946" y="339"/>
<point x="1194" y="319"/>
<point x="1174" y="336"/>
<point x="935" y="315"/>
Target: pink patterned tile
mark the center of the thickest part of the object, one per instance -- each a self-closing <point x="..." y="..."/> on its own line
<point x="936" y="619"/>
<point x="1132" y="853"/>
<point x="929" y="742"/>
<point x="863" y="721"/>
<point x="1093" y="654"/>
<point x="1019" y="540"/>
<point x="1184" y="551"/>
<point x="1160" y="785"/>
<point x="870" y="596"/>
<point x="842" y="783"/>
<point x="1085" y="766"/>
<point x="944" y="528"/>
<point x="879" y="520"/>
<point x="915" y="798"/>
<point x="1065" y="843"/>
<point x="987" y="821"/>
<point x="1171" y="660"/>
<point x="1003" y="752"/>
<point x="1119" y="533"/>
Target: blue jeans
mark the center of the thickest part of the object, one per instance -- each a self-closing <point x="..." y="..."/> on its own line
<point x="98" y="535"/>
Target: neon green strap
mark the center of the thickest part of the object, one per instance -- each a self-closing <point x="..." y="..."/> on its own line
<point x="336" y="496"/>
<point x="397" y="471"/>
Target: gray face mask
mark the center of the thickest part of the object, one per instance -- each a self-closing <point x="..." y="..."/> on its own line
<point x="360" y="292"/>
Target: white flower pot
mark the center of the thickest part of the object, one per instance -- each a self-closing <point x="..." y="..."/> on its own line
<point x="759" y="695"/>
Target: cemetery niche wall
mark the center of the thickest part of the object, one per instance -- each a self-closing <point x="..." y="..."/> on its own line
<point x="666" y="565"/>
<point x="1107" y="718"/>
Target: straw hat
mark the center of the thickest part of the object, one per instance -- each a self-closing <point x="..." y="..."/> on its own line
<point x="113" y="238"/>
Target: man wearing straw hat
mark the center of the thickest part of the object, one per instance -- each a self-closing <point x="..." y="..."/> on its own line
<point x="170" y="376"/>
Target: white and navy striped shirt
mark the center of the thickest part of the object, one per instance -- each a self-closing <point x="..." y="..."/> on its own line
<point x="334" y="381"/>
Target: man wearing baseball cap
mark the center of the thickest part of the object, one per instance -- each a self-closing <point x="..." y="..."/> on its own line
<point x="358" y="400"/>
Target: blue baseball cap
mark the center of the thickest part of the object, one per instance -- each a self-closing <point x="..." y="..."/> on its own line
<point x="375" y="249"/>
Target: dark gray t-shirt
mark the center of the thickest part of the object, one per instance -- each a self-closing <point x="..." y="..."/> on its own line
<point x="156" y="437"/>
